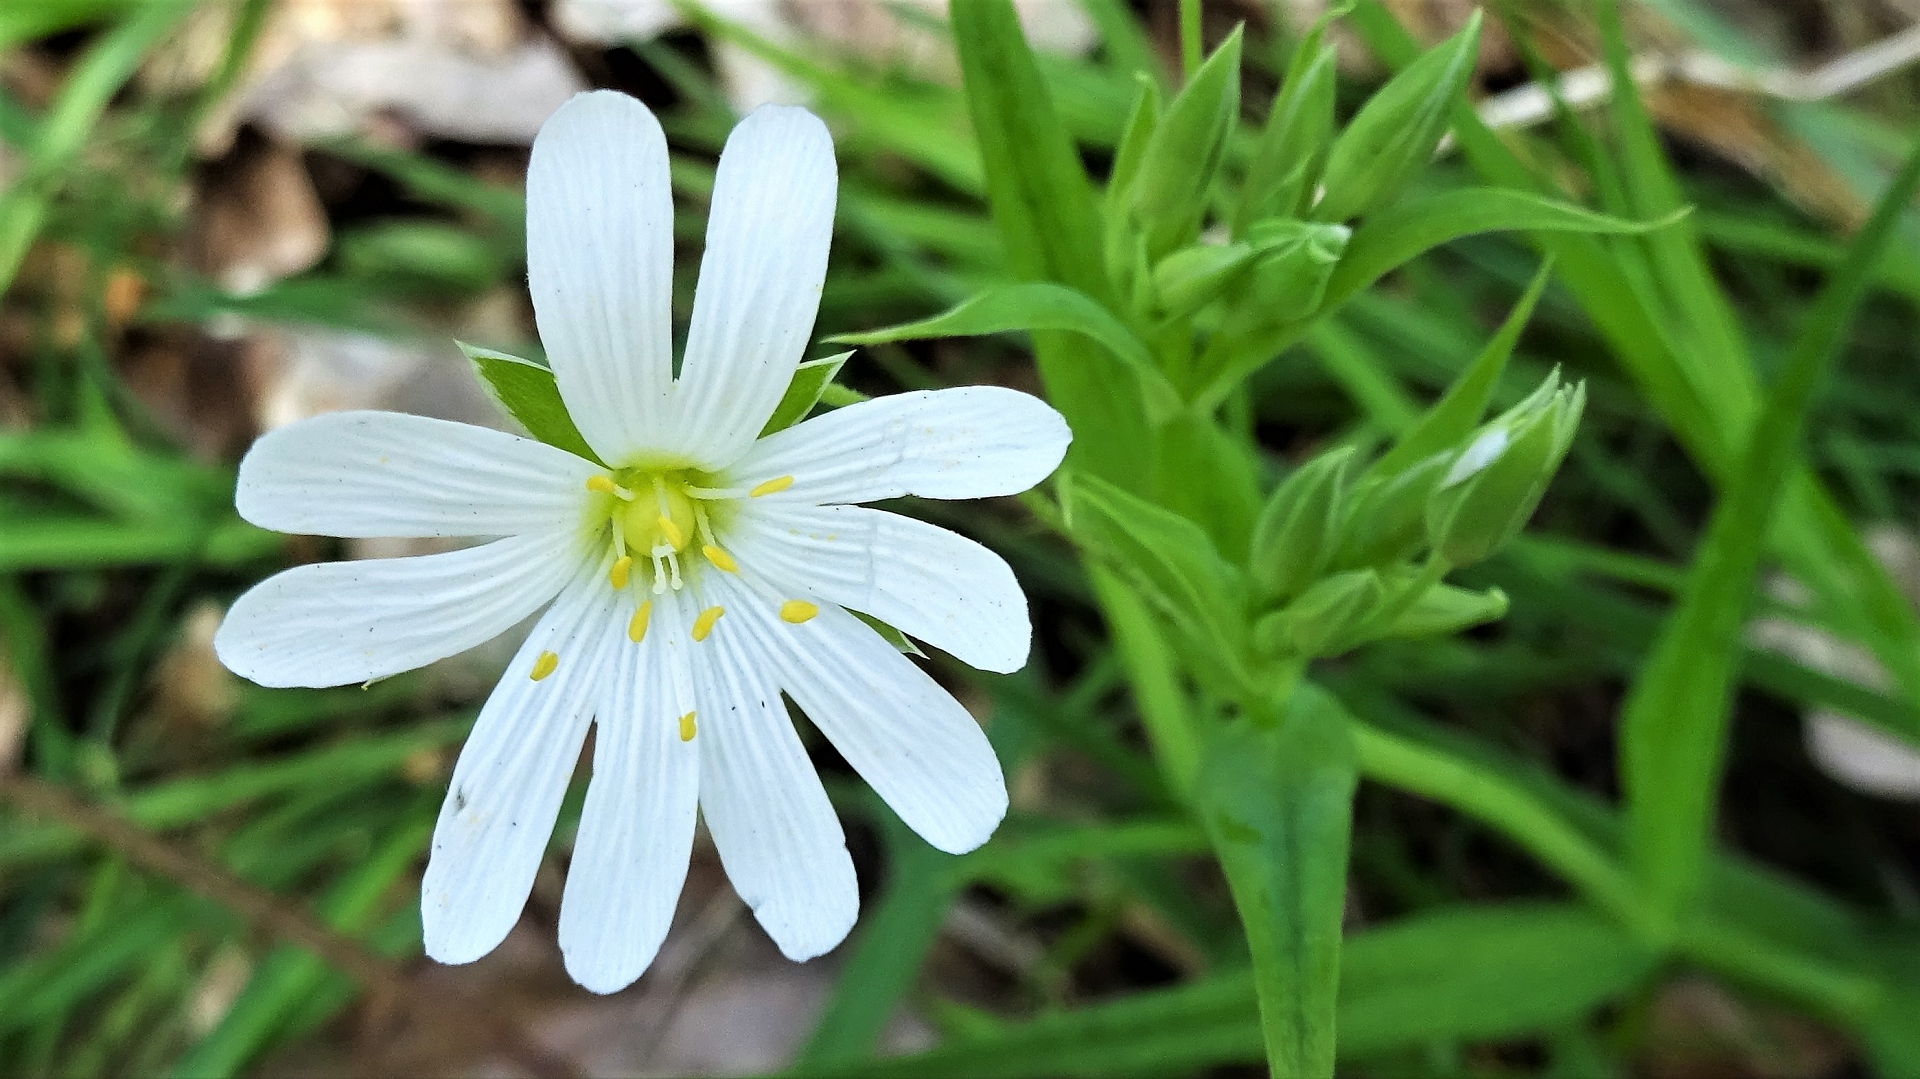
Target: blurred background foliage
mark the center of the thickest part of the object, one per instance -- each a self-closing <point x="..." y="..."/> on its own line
<point x="222" y="216"/>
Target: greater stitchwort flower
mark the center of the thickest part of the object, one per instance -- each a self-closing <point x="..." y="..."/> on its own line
<point x="693" y="577"/>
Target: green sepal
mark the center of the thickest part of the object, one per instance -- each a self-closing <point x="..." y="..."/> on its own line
<point x="1329" y="618"/>
<point x="892" y="636"/>
<point x="527" y="390"/>
<point x="1444" y="609"/>
<point x="1168" y="195"/>
<point x="1299" y="528"/>
<point x="810" y="381"/>
<point x="1497" y="479"/>
<point x="1394" y="135"/>
<point x="1293" y="146"/>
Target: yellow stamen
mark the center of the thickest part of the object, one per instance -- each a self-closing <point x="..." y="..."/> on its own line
<point x="545" y="665"/>
<point x="622" y="567"/>
<point x="797" y="611"/>
<point x="703" y="625"/>
<point x="772" y="486"/>
<point x="601" y="484"/>
<point x="671" y="531"/>
<point x="686" y="727"/>
<point x="720" y="558"/>
<point x="637" y="629"/>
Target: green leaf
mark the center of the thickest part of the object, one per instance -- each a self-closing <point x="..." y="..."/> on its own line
<point x="1458" y="412"/>
<point x="1049" y="226"/>
<point x="1278" y="804"/>
<point x="1393" y="236"/>
<point x="810" y="380"/>
<point x="1483" y="972"/>
<point x="1393" y="136"/>
<point x="1035" y="305"/>
<point x="1171" y="560"/>
<point x="528" y="392"/>
<point x="1457" y="975"/>
<point x="885" y="957"/>
<point x="1675" y="718"/>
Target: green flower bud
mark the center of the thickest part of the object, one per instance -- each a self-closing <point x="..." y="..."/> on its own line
<point x="1299" y="528"/>
<point x="1168" y="192"/>
<point x="1386" y="518"/>
<point x="1192" y="277"/>
<point x="1444" y="609"/>
<point x="1289" y="277"/>
<point x="1394" y="134"/>
<point x="1495" y="481"/>
<point x="1327" y="619"/>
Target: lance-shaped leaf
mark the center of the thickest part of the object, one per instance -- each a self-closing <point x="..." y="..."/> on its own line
<point x="1674" y="722"/>
<point x="1394" y="236"/>
<point x="526" y="389"/>
<point x="1277" y="802"/>
<point x="1035" y="305"/>
<point x="1174" y="564"/>
<point x="1458" y="412"/>
<point x="810" y="381"/>
<point x="1394" y="135"/>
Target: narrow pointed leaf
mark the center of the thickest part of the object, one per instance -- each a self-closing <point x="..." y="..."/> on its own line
<point x="810" y="381"/>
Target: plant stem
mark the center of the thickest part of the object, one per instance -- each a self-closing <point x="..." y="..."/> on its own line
<point x="1190" y="48"/>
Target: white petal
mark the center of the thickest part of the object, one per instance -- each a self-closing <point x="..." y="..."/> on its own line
<point x="636" y="831"/>
<point x="512" y="775"/>
<point x="338" y="623"/>
<point x="600" y="268"/>
<point x="907" y="737"/>
<point x="374" y="474"/>
<point x="770" y="818"/>
<point x="923" y="580"/>
<point x="767" y="239"/>
<point x="970" y="442"/>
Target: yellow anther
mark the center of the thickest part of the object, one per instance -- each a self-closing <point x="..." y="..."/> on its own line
<point x="637" y="628"/>
<point x="772" y="486"/>
<point x="686" y="727"/>
<point x="622" y="569"/>
<point x="720" y="558"/>
<point x="798" y="611"/>
<point x="601" y="484"/>
<point x="545" y="665"/>
<point x="675" y="538"/>
<point x="703" y="625"/>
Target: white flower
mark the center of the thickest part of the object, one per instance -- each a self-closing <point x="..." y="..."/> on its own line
<point x="702" y="574"/>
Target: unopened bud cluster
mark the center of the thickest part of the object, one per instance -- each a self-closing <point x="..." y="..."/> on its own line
<point x="1341" y="557"/>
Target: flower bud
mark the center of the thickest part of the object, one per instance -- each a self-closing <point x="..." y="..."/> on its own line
<point x="1495" y="481"/>
<point x="1386" y="517"/>
<point x="1299" y="528"/>
<point x="1177" y="166"/>
<point x="1327" y="619"/>
<point x="1191" y="277"/>
<point x="1289" y="276"/>
<point x="1393" y="136"/>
